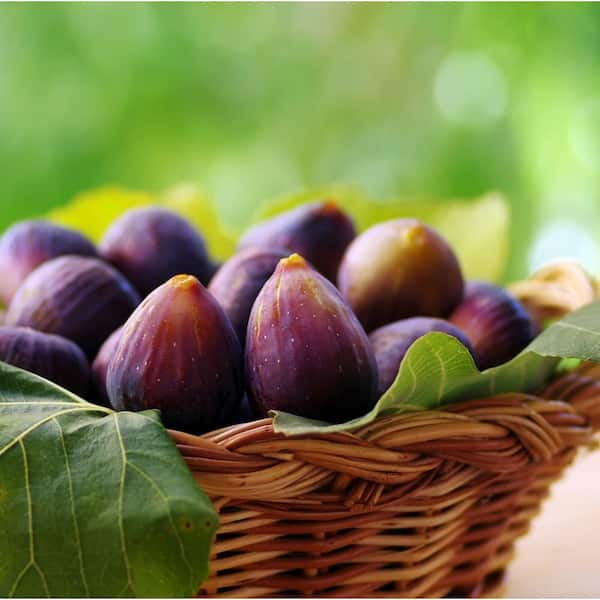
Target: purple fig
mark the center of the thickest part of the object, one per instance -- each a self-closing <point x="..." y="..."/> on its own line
<point x="320" y="232"/>
<point x="150" y="245"/>
<point x="178" y="353"/>
<point x="400" y="269"/>
<point x="82" y="299"/>
<point x="391" y="342"/>
<point x="28" y="244"/>
<point x="237" y="283"/>
<point x="495" y="322"/>
<point x="306" y="352"/>
<point x="100" y="366"/>
<point x="244" y="413"/>
<point x="50" y="356"/>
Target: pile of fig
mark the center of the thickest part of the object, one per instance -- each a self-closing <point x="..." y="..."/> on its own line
<point x="307" y="317"/>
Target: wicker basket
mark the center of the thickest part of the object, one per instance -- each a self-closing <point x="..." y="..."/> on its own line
<point x="423" y="504"/>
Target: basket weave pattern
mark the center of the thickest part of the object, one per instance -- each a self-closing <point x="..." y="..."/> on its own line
<point x="422" y="504"/>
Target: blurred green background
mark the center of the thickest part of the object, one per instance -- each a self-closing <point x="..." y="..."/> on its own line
<point x="254" y="100"/>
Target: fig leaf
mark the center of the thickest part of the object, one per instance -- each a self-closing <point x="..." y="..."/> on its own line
<point x="93" y="502"/>
<point x="438" y="370"/>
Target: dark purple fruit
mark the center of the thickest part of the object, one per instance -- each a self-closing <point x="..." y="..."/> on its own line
<point x="400" y="269"/>
<point x="306" y="352"/>
<point x="391" y="342"/>
<point x="320" y="232"/>
<point x="50" y="356"/>
<point x="150" y="245"/>
<point x="237" y="283"/>
<point x="82" y="299"/>
<point x="28" y="244"/>
<point x="244" y="413"/>
<point x="178" y="353"/>
<point x="496" y="324"/>
<point x="100" y="366"/>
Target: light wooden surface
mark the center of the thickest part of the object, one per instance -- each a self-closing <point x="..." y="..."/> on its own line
<point x="560" y="556"/>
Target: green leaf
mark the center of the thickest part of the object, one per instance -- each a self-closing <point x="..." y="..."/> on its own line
<point x="93" y="211"/>
<point x="438" y="370"/>
<point x="476" y="229"/>
<point x="93" y="502"/>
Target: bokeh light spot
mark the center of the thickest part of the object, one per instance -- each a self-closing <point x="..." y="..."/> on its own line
<point x="564" y="240"/>
<point x="470" y="89"/>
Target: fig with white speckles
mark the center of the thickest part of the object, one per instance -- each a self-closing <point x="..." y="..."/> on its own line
<point x="306" y="352"/>
<point x="178" y="353"/>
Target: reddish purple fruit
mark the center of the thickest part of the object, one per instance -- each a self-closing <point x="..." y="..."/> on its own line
<point x="391" y="342"/>
<point x="319" y="231"/>
<point x="82" y="299"/>
<point x="50" y="356"/>
<point x="495" y="322"/>
<point x="28" y="244"/>
<point x="306" y="353"/>
<point x="150" y="245"/>
<point x="100" y="366"/>
<point x="178" y="353"/>
<point x="238" y="282"/>
<point x="400" y="269"/>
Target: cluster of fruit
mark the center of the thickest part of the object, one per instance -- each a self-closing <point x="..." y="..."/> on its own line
<point x="270" y="331"/>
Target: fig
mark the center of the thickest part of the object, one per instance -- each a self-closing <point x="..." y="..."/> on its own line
<point x="28" y="244"/>
<point x="496" y="323"/>
<point x="399" y="269"/>
<point x="50" y="356"/>
<point x="391" y="342"/>
<point x="80" y="298"/>
<point x="100" y="366"/>
<point x="149" y="245"/>
<point x="306" y="352"/>
<point x="318" y="231"/>
<point x="237" y="283"/>
<point x="178" y="353"/>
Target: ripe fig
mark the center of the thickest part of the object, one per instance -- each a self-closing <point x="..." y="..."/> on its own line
<point x="306" y="352"/>
<point x="391" y="342"/>
<point x="237" y="283"/>
<point x="496" y="324"/>
<point x="178" y="353"/>
<point x="150" y="245"/>
<point x="100" y="366"/>
<point x="319" y="231"/>
<point x="82" y="299"/>
<point x="28" y="244"/>
<point x="399" y="269"/>
<point x="50" y="356"/>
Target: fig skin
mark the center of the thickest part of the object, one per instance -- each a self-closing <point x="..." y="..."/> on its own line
<point x="238" y="282"/>
<point x="391" y="342"/>
<point x="496" y="323"/>
<point x="149" y="245"/>
<point x="100" y="366"/>
<point x="80" y="298"/>
<point x="399" y="269"/>
<point x="50" y="356"/>
<point x="306" y="352"/>
<point x="178" y="353"/>
<point x="28" y="244"/>
<point x="318" y="231"/>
